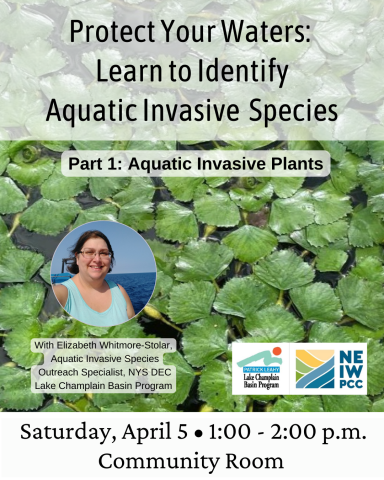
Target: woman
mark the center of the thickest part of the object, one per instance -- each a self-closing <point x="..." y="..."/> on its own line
<point x="88" y="296"/>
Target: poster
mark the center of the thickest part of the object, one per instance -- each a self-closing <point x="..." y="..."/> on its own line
<point x="243" y="141"/>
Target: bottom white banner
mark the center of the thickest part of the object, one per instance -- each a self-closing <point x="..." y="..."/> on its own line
<point x="175" y="445"/>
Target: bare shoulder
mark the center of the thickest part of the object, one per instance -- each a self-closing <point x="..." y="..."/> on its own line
<point x="61" y="293"/>
<point x="130" y="309"/>
<point x="123" y="291"/>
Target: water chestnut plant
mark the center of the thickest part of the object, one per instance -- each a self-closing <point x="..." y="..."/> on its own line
<point x="238" y="260"/>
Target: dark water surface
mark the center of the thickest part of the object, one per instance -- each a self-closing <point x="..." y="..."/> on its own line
<point x="139" y="286"/>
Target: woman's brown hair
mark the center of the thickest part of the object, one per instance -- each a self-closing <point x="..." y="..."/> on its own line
<point x="76" y="249"/>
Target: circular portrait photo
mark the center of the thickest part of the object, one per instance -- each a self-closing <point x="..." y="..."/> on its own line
<point x="103" y="273"/>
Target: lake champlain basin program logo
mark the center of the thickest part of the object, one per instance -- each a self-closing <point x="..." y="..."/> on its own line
<point x="260" y="368"/>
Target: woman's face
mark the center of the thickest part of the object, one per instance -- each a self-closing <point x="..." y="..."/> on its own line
<point x="96" y="267"/>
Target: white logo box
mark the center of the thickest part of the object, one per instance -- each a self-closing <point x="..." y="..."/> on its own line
<point x="350" y="357"/>
<point x="324" y="368"/>
<point x="242" y="352"/>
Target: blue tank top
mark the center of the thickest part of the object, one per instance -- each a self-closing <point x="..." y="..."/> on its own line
<point x="114" y="315"/>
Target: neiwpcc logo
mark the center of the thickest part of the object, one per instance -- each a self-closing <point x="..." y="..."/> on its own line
<point x="315" y="368"/>
<point x="329" y="369"/>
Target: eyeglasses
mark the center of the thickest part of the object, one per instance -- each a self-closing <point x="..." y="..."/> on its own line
<point x="92" y="253"/>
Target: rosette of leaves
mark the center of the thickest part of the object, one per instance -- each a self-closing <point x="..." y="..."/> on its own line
<point x="238" y="260"/>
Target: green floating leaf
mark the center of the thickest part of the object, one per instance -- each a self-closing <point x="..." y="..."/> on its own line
<point x="330" y="260"/>
<point x="215" y="182"/>
<point x="138" y="215"/>
<point x="375" y="374"/>
<point x="250" y="244"/>
<point x="12" y="199"/>
<point x="378" y="406"/>
<point x="372" y="178"/>
<point x="4" y="153"/>
<point x="202" y="260"/>
<point x="324" y="333"/>
<point x="330" y="205"/>
<point x="303" y="404"/>
<point x="215" y="388"/>
<point x="322" y="235"/>
<point x="106" y="399"/>
<point x="45" y="273"/>
<point x="91" y="144"/>
<point x="48" y="217"/>
<point x="216" y="208"/>
<point x="182" y="189"/>
<point x="77" y="329"/>
<point x="376" y="148"/>
<point x="19" y="265"/>
<point x="38" y="58"/>
<point x="205" y="340"/>
<point x="57" y="146"/>
<point x="284" y="270"/>
<point x="317" y="302"/>
<point x="101" y="212"/>
<point x="252" y="200"/>
<point x="360" y="333"/>
<point x="362" y="300"/>
<point x="367" y="81"/>
<point x="366" y="228"/>
<point x="18" y="344"/>
<point x="377" y="203"/>
<point x="96" y="331"/>
<point x="335" y="35"/>
<point x="139" y="188"/>
<point x="65" y="88"/>
<point x="131" y="329"/>
<point x="274" y="325"/>
<point x="15" y="390"/>
<point x="57" y="407"/>
<point x="185" y="376"/>
<point x="31" y="174"/>
<point x="18" y="303"/>
<point x="17" y="106"/>
<point x="294" y="213"/>
<point x="54" y="326"/>
<point x="32" y="25"/>
<point x="243" y="296"/>
<point x="285" y="187"/>
<point x="369" y="268"/>
<point x="300" y="237"/>
<point x="142" y="404"/>
<point x="376" y="252"/>
<point x="191" y="301"/>
<point x="164" y="284"/>
<point x="346" y="403"/>
<point x="175" y="223"/>
<point x="102" y="187"/>
<point x="102" y="14"/>
<point x="70" y="397"/>
<point x="263" y="398"/>
<point x="60" y="187"/>
<point x="5" y="241"/>
<point x="336" y="149"/>
<point x="344" y="174"/>
<point x="165" y="255"/>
